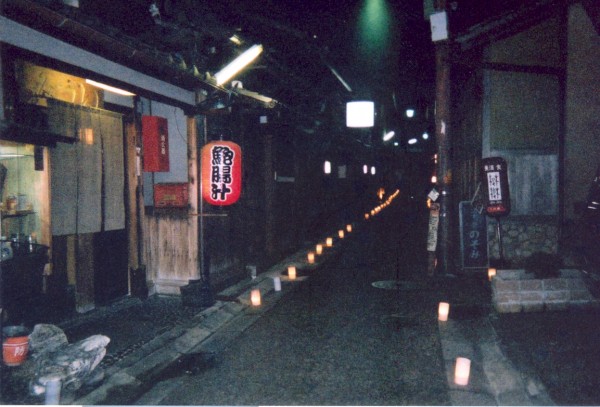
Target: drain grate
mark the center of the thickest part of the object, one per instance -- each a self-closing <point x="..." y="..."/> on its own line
<point x="189" y="364"/>
<point x="399" y="285"/>
<point x="399" y="320"/>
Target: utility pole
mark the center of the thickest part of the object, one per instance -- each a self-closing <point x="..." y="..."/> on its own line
<point x="443" y="132"/>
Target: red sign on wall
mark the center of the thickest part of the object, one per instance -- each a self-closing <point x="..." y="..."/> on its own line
<point x="171" y="195"/>
<point x="221" y="163"/>
<point x="155" y="136"/>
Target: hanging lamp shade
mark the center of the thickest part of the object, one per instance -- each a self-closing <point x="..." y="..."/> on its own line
<point x="221" y="172"/>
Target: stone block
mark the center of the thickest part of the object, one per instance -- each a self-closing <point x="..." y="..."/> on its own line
<point x="502" y="286"/>
<point x="552" y="296"/>
<point x="508" y="307"/>
<point x="532" y="296"/>
<point x="554" y="284"/>
<point x="507" y="297"/>
<point x="531" y="285"/>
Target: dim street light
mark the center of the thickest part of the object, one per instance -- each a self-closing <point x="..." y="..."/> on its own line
<point x="238" y="64"/>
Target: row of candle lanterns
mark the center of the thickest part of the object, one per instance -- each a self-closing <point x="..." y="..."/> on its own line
<point x="462" y="367"/>
<point x="382" y="206"/>
<point x="255" y="296"/>
<point x="310" y="257"/>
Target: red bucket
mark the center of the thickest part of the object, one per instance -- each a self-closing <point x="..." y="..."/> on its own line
<point x="15" y="346"/>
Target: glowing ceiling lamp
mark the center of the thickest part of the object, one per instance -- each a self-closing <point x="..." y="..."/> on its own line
<point x="327" y="167"/>
<point x="238" y="64"/>
<point x="109" y="88"/>
<point x="360" y="114"/>
<point x="410" y="113"/>
<point x="412" y="141"/>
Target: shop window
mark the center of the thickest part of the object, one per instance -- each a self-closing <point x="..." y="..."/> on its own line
<point x="23" y="192"/>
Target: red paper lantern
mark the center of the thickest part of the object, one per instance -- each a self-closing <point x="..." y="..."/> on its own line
<point x="221" y="172"/>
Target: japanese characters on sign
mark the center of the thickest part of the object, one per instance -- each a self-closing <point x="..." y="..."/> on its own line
<point x="221" y="172"/>
<point x="155" y="138"/>
<point x="171" y="195"/>
<point x="495" y="183"/>
<point x="473" y="236"/>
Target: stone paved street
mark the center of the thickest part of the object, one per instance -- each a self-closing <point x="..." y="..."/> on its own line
<point x="359" y="328"/>
<point x="336" y="339"/>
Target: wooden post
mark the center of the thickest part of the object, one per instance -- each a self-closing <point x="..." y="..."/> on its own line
<point x="444" y="143"/>
<point x="269" y="196"/>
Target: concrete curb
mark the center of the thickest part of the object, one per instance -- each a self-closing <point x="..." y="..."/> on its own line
<point x="494" y="380"/>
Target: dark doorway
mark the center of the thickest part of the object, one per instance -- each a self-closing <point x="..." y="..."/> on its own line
<point x="110" y="264"/>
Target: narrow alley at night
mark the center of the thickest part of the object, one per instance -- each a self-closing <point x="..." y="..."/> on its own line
<point x="367" y="202"/>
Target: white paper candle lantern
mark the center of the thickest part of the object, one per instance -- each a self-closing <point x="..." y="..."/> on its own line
<point x="443" y="311"/>
<point x="311" y="258"/>
<point x="491" y="273"/>
<point x="255" y="297"/>
<point x="292" y="272"/>
<point x="349" y="228"/>
<point x="277" y="284"/>
<point x="341" y="234"/>
<point x="319" y="249"/>
<point x="462" y="371"/>
<point x="329" y="242"/>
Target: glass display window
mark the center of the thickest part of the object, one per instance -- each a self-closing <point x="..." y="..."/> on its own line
<point x="23" y="192"/>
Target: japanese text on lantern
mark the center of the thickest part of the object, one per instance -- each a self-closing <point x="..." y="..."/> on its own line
<point x="221" y="172"/>
<point x="222" y="162"/>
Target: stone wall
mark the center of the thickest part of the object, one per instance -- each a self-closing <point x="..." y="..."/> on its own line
<point x="523" y="236"/>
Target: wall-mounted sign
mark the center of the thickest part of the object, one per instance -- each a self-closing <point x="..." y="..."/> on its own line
<point x="155" y="136"/>
<point x="473" y="236"/>
<point x="221" y="163"/>
<point x="495" y="186"/>
<point x="171" y="195"/>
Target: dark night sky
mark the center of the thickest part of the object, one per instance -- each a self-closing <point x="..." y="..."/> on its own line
<point x="380" y="47"/>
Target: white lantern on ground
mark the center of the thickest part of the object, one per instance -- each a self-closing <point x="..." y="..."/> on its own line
<point x="443" y="311"/>
<point x="255" y="297"/>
